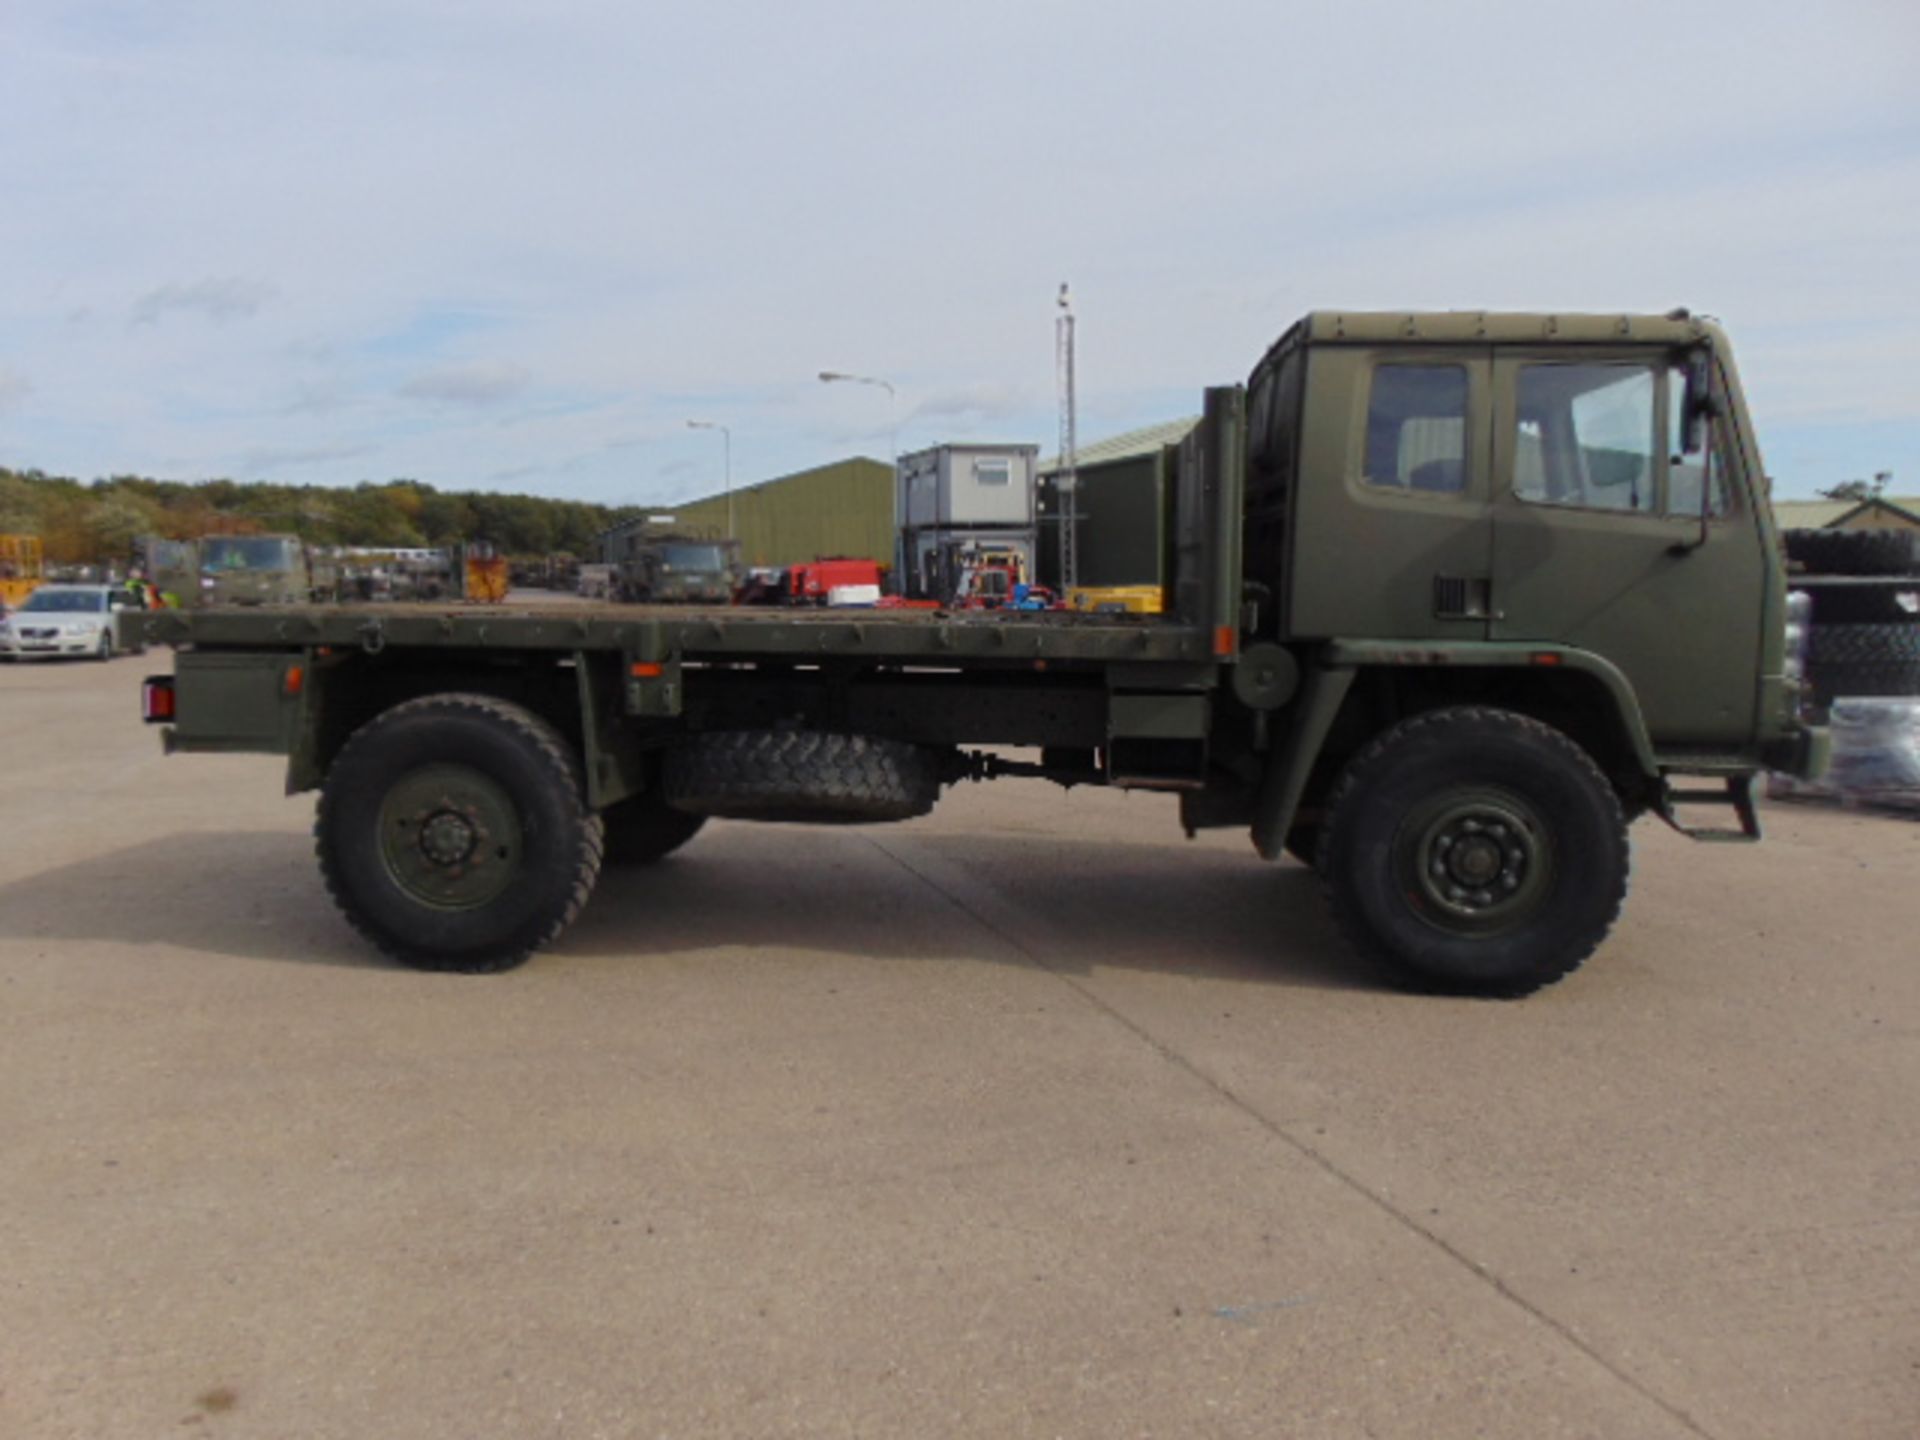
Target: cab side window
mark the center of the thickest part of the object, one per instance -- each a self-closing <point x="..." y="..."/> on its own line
<point x="1417" y="428"/>
<point x="1586" y="436"/>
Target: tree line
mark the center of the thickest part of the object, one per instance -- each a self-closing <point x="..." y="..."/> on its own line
<point x="94" y="522"/>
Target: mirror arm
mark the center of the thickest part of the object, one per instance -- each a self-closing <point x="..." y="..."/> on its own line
<point x="1687" y="547"/>
<point x="1703" y="409"/>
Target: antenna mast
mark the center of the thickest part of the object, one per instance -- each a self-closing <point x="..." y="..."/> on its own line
<point x="1066" y="479"/>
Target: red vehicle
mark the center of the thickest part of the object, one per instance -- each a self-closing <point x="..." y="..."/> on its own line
<point x="813" y="582"/>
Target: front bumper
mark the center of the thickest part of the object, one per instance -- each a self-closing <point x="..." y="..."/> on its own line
<point x="17" y="646"/>
<point x="1804" y="754"/>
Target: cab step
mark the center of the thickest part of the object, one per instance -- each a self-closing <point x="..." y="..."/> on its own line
<point x="1736" y="790"/>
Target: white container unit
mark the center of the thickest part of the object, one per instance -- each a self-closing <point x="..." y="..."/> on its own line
<point x="965" y="486"/>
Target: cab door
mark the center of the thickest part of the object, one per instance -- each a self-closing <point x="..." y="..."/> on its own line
<point x="1393" y="527"/>
<point x="1598" y="536"/>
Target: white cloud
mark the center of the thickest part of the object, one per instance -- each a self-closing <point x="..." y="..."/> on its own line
<point x="983" y="400"/>
<point x="266" y="458"/>
<point x="479" y="385"/>
<point x="219" y="300"/>
<point x="14" y="389"/>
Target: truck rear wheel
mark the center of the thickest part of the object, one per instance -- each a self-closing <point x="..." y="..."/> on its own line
<point x="644" y="828"/>
<point x="1303" y="844"/>
<point x="453" y="834"/>
<point x="1475" y="851"/>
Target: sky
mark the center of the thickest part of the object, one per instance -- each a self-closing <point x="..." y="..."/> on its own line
<point x="514" y="247"/>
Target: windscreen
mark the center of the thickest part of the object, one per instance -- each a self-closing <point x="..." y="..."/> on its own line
<point x="246" y="552"/>
<point x="692" y="557"/>
<point x="68" y="602"/>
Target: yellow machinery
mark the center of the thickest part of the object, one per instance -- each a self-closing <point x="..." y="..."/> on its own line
<point x="1133" y="599"/>
<point x="22" y="568"/>
<point x="485" y="573"/>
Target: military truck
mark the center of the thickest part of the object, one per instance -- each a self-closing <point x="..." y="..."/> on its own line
<point x="255" y="570"/>
<point x="1453" y="599"/>
<point x="674" y="568"/>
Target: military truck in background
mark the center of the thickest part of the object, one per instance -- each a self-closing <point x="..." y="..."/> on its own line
<point x="255" y="570"/>
<point x="1451" y="599"/>
<point x="674" y="567"/>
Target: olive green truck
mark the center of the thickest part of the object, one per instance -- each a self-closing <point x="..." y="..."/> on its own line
<point x="1451" y="600"/>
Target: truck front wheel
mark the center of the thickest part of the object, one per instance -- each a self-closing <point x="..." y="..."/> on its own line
<point x="1475" y="851"/>
<point x="453" y="834"/>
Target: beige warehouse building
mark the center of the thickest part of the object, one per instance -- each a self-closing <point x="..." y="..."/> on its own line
<point x="845" y="508"/>
<point x="1881" y="512"/>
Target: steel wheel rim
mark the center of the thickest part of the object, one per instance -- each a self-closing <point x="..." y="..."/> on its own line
<point x="450" y="837"/>
<point x="1475" y="861"/>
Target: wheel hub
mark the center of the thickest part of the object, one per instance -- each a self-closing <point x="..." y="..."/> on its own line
<point x="450" y="836"/>
<point x="447" y="837"/>
<point x="1479" y="861"/>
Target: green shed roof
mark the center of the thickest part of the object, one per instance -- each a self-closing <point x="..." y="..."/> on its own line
<point x="1148" y="440"/>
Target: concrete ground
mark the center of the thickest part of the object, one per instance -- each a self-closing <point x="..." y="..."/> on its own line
<point x="1030" y="1118"/>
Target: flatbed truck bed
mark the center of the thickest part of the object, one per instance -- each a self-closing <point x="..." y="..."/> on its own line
<point x="718" y="632"/>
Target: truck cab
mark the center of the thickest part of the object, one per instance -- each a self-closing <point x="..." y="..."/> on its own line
<point x="1472" y="483"/>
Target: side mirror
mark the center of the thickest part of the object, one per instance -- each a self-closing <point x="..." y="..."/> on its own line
<point x="1697" y="404"/>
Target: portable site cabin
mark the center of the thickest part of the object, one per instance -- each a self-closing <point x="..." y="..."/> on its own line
<point x="952" y="499"/>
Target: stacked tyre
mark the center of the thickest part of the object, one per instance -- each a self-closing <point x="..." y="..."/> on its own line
<point x="1871" y="659"/>
<point x="1855" y="622"/>
<point x="1864" y="635"/>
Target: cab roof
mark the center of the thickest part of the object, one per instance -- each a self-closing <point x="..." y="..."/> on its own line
<point x="1677" y="327"/>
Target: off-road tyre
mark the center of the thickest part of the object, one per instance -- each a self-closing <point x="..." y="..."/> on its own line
<point x="643" y="828"/>
<point x="1855" y="552"/>
<point x="1887" y="603"/>
<point x="1863" y="660"/>
<point x="1303" y="844"/>
<point x="802" y="775"/>
<point x="1406" y="801"/>
<point x="526" y="772"/>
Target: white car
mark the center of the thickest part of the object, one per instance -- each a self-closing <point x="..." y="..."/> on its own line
<point x="81" y="620"/>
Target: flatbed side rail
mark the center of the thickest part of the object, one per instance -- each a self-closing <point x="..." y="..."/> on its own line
<point x="695" y="634"/>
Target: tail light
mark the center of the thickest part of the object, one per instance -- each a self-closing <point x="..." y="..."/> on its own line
<point x="156" y="700"/>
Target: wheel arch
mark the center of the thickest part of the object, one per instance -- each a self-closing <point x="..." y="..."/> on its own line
<point x="1362" y="689"/>
<point x="342" y="697"/>
<point x="1438" y="854"/>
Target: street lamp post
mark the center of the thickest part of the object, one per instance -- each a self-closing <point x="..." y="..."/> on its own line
<point x="726" y="442"/>
<point x="828" y="377"/>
